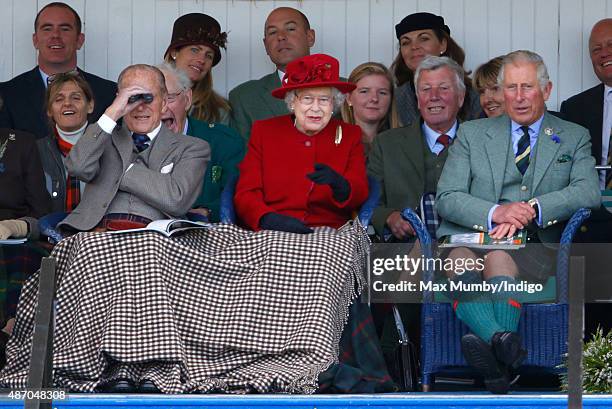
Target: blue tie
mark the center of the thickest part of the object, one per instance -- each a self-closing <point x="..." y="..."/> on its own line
<point x="141" y="141"/>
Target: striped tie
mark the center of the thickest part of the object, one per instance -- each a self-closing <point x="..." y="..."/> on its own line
<point x="444" y="140"/>
<point x="522" y="152"/>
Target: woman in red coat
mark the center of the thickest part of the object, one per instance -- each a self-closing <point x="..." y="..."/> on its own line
<point x="304" y="169"/>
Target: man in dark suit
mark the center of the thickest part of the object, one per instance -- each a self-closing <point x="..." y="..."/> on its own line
<point x="140" y="171"/>
<point x="57" y="37"/>
<point x="287" y="36"/>
<point x="593" y="110"/>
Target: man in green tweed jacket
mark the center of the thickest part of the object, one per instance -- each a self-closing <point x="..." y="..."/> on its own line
<point x="287" y="36"/>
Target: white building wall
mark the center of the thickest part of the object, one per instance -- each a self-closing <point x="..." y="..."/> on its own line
<point x="122" y="32"/>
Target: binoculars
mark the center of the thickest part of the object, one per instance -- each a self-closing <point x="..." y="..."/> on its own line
<point x="147" y="98"/>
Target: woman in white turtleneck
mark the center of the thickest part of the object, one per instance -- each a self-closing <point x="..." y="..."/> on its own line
<point x="69" y="101"/>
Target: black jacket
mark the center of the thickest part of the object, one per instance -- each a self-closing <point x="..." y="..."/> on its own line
<point x="24" y="98"/>
<point x="586" y="109"/>
<point x="22" y="186"/>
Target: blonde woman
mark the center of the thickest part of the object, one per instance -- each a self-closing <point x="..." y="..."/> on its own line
<point x="371" y="104"/>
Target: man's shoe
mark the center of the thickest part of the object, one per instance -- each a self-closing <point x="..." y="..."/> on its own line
<point x="120" y="386"/>
<point x="147" y="386"/>
<point x="480" y="356"/>
<point x="507" y="348"/>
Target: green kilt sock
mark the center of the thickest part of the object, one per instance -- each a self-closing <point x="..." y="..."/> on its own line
<point x="506" y="304"/>
<point x="475" y="308"/>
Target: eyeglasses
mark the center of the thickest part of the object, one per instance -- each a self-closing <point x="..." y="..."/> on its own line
<point x="172" y="97"/>
<point x="308" y="100"/>
<point x="60" y="75"/>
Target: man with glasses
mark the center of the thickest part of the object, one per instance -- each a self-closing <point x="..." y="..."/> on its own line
<point x="227" y="148"/>
<point x="139" y="171"/>
<point x="57" y="37"/>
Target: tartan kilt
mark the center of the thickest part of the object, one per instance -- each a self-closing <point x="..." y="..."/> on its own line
<point x="362" y="367"/>
<point x="218" y="310"/>
<point x="17" y="263"/>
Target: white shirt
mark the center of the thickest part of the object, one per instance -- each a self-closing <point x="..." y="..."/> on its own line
<point x="432" y="136"/>
<point x="107" y="124"/>
<point x="605" y="133"/>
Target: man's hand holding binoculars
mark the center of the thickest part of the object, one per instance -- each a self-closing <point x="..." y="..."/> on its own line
<point x="128" y="99"/>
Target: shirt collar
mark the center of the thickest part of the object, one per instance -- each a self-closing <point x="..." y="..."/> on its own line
<point x="186" y="127"/>
<point x="432" y="136"/>
<point x="534" y="128"/>
<point x="280" y="75"/>
<point x="607" y="92"/>
<point x="154" y="132"/>
<point x="44" y="76"/>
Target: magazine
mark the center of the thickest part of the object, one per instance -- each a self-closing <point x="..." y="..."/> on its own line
<point x="13" y="241"/>
<point x="168" y="227"/>
<point x="484" y="241"/>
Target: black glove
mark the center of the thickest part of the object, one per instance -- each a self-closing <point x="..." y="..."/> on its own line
<point x="279" y="222"/>
<point x="324" y="175"/>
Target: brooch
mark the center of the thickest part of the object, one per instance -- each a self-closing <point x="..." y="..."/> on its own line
<point x="338" y="135"/>
<point x="553" y="136"/>
<point x="216" y="173"/>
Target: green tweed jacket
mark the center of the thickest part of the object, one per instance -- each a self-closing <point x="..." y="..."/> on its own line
<point x="396" y="161"/>
<point x="252" y="101"/>
<point x="227" y="150"/>
<point x="475" y="175"/>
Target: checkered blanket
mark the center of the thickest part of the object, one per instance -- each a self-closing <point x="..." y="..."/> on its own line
<point x="218" y="310"/>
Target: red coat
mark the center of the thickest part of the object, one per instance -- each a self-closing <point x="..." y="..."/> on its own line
<point x="273" y="173"/>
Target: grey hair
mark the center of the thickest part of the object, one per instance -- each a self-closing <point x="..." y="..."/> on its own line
<point x="181" y="77"/>
<point x="337" y="96"/>
<point x="525" y="56"/>
<point x="144" y="67"/>
<point x="433" y="62"/>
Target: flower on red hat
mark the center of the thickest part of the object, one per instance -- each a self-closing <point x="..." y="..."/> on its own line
<point x="306" y="72"/>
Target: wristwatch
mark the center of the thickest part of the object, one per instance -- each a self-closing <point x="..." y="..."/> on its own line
<point x="534" y="204"/>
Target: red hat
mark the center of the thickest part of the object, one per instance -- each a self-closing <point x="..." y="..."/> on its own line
<point x="198" y="28"/>
<point x="312" y="71"/>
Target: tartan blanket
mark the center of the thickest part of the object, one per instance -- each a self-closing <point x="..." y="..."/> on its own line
<point x="220" y="310"/>
<point x="17" y="263"/>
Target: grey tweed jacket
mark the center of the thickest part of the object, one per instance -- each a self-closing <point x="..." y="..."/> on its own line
<point x="165" y="181"/>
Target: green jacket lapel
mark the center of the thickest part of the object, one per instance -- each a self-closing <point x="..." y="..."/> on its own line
<point x="497" y="147"/>
<point x="270" y="83"/>
<point x="546" y="149"/>
<point x="413" y="149"/>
